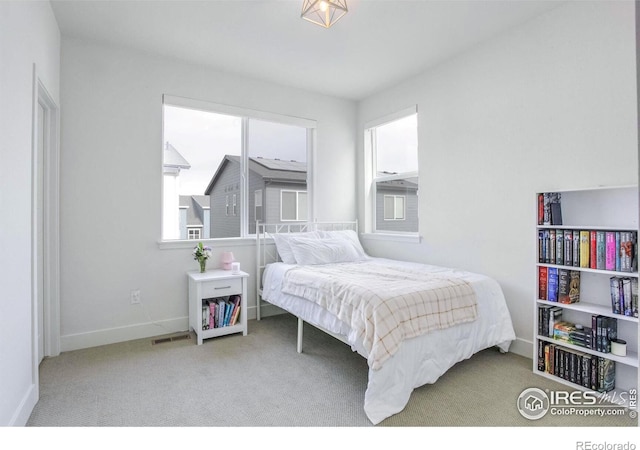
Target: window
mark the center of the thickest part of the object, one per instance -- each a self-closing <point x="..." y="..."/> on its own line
<point x="293" y="205"/>
<point x="394" y="207"/>
<point x="392" y="146"/>
<point x="193" y="233"/>
<point x="219" y="155"/>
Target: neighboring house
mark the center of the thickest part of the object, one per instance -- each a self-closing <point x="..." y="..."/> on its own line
<point x="194" y="217"/>
<point x="172" y="163"/>
<point x="397" y="205"/>
<point x="277" y="193"/>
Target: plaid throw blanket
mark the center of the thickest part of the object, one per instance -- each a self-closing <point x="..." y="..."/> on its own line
<point x="384" y="304"/>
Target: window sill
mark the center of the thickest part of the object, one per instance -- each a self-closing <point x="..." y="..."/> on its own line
<point x="213" y="243"/>
<point x="409" y="238"/>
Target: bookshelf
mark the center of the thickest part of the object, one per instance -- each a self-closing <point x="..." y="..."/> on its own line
<point x="606" y="213"/>
<point x="217" y="287"/>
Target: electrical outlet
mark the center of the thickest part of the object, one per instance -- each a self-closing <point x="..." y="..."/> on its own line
<point x="135" y="297"/>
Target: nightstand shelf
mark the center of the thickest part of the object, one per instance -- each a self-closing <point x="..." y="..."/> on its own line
<point x="214" y="287"/>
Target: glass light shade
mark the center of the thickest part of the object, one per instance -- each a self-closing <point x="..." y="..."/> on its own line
<point x="324" y="12"/>
<point x="227" y="259"/>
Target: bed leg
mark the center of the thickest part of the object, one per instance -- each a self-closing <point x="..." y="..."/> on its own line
<point x="300" y="328"/>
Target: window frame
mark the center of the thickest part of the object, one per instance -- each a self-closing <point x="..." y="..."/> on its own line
<point x="245" y="114"/>
<point x="193" y="229"/>
<point x="371" y="178"/>
<point x="297" y="192"/>
<point x="395" y="207"/>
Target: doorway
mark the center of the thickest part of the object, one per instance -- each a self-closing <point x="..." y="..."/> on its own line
<point x="45" y="226"/>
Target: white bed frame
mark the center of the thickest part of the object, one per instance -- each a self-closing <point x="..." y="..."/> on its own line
<point x="266" y="253"/>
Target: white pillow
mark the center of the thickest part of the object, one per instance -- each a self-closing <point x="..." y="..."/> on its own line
<point x="323" y="251"/>
<point x="351" y="235"/>
<point x="284" y="247"/>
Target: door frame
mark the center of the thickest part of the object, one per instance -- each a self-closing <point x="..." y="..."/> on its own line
<point x="49" y="186"/>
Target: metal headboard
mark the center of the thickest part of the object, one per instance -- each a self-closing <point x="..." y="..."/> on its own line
<point x="266" y="252"/>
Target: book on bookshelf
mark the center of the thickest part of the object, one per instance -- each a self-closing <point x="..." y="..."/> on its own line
<point x="589" y="371"/>
<point x="626" y="251"/>
<point x="614" y="283"/>
<point x="568" y="286"/>
<point x="585" y="237"/>
<point x="559" y="247"/>
<point x="600" y="256"/>
<point x="593" y="250"/>
<point x="617" y="251"/>
<point x="610" y="243"/>
<point x="568" y="247"/>
<point x="552" y="246"/>
<point x="542" y="283"/>
<point x="552" y="284"/>
<point x="576" y="248"/>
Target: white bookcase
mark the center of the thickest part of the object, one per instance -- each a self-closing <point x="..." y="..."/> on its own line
<point x="613" y="209"/>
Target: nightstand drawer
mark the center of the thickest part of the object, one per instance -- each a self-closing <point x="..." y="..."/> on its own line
<point x="221" y="288"/>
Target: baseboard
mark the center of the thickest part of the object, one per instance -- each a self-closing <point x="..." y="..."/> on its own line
<point x="24" y="410"/>
<point x="266" y="310"/>
<point x="522" y="347"/>
<point x="122" y="334"/>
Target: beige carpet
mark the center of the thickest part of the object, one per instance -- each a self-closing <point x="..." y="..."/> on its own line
<point x="261" y="381"/>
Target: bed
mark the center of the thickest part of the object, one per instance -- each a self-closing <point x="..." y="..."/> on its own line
<point x="412" y="322"/>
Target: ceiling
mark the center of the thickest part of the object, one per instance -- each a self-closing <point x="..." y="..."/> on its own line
<point x="378" y="44"/>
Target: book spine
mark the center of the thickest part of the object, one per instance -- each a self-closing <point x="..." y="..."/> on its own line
<point x="563" y="286"/>
<point x="584" y="248"/>
<point x="627" y="298"/>
<point x="552" y="246"/>
<point x="574" y="286"/>
<point x="576" y="248"/>
<point x="617" y="251"/>
<point x="542" y="283"/>
<point x="634" y="297"/>
<point x="540" y="209"/>
<point x="541" y="352"/>
<point x="568" y="247"/>
<point x="559" y="247"/>
<point x="593" y="250"/>
<point x="625" y="251"/>
<point x="614" y="283"/>
<point x="541" y="246"/>
<point x="552" y="284"/>
<point x="546" y="209"/>
<point x="600" y="251"/>
<point x="547" y="247"/>
<point x="610" y="260"/>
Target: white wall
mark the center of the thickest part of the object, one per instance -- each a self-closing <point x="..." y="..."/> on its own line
<point x="111" y="184"/>
<point x="549" y="105"/>
<point x="28" y="35"/>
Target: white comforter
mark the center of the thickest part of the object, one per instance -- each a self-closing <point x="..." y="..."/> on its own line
<point x="382" y="304"/>
<point x="419" y="360"/>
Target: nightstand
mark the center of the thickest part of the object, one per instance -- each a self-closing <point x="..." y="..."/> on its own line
<point x="217" y="303"/>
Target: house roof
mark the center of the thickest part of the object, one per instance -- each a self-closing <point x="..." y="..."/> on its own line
<point x="410" y="184"/>
<point x="173" y="158"/>
<point x="268" y="169"/>
<point x="194" y="204"/>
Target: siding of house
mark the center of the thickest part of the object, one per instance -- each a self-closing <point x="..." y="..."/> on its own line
<point x="228" y="184"/>
<point x="410" y="224"/>
<point x="255" y="183"/>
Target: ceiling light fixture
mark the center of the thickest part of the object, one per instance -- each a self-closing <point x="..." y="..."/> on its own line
<point x="324" y="12"/>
